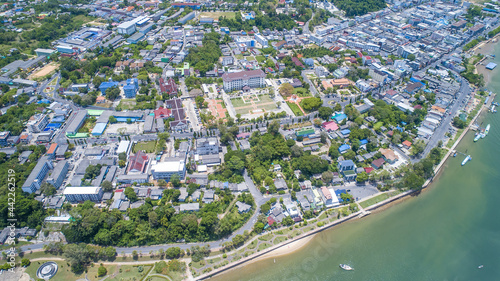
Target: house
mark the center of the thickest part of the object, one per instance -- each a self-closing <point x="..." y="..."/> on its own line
<point x="378" y="163"/>
<point x="207" y="146"/>
<point x="407" y="144"/>
<point x="343" y="148"/>
<point x="280" y="184"/>
<point x="346" y="165"/>
<point x="243" y="207"/>
<point x="184" y="194"/>
<point x="330" y="126"/>
<point x="413" y="87"/>
<point x="389" y="155"/>
<point x="208" y="196"/>
<point x="190" y="207"/>
<point x="138" y="162"/>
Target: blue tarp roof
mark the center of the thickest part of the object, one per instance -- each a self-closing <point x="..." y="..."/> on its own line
<point x="415" y="80"/>
<point x="338" y="192"/>
<point x="363" y="142"/>
<point x="344" y="147"/>
<point x="345" y="132"/>
<point x="339" y="117"/>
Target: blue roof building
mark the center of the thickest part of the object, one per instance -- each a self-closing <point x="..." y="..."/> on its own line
<point x="345" y="132"/>
<point x="363" y="142"/>
<point x="309" y="62"/>
<point x="105" y="85"/>
<point x="339" y="117"/>
<point x="130" y="89"/>
<point x="344" y="148"/>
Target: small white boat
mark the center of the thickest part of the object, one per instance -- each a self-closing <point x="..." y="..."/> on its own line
<point x="346" y="267"/>
<point x="481" y="266"/>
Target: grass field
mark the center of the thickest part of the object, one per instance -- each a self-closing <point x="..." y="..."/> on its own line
<point x="301" y="92"/>
<point x="63" y="271"/>
<point x="129" y="272"/>
<point x="260" y="58"/>
<point x="378" y="198"/>
<point x="295" y="108"/>
<point x="127" y="104"/>
<point x="239" y="57"/>
<point x="217" y="15"/>
<point x="148" y="147"/>
<point x="265" y="103"/>
<point x="378" y="125"/>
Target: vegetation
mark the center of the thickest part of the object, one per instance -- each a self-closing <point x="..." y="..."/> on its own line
<point x="204" y="57"/>
<point x="354" y="8"/>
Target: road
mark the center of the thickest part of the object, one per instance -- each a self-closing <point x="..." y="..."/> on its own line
<point x="312" y="88"/>
<point x="305" y="30"/>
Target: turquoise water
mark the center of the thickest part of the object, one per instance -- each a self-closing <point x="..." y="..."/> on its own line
<point x="445" y="233"/>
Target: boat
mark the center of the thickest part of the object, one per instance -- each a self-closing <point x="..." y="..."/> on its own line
<point x="478" y="136"/>
<point x="492" y="109"/>
<point x="346" y="267"/>
<point x="487" y="130"/>
<point x="481" y="266"/>
<point x="466" y="160"/>
<point x="455" y="154"/>
<point x="495" y="103"/>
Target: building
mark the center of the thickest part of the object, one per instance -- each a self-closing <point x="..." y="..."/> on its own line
<point x="168" y="86"/>
<point x="187" y="18"/>
<point x="138" y="162"/>
<point x="4" y="136"/>
<point x="105" y="85"/>
<point x="34" y="180"/>
<point x="226" y="60"/>
<point x="58" y="175"/>
<point x="239" y="80"/>
<point x="389" y="155"/>
<point x="165" y="170"/>
<point x="126" y="28"/>
<point x="131" y="88"/>
<point x="131" y="178"/>
<point x="83" y="193"/>
<point x="77" y="122"/>
<point x="45" y="52"/>
<point x="243" y="207"/>
<point x="136" y="38"/>
<point x="52" y="151"/>
<point x="37" y="123"/>
<point x="262" y="40"/>
<point x="207" y="146"/>
<point x="190" y="207"/>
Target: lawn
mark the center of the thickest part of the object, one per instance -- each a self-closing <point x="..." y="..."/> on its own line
<point x="239" y="57"/>
<point x="148" y="147"/>
<point x="250" y="58"/>
<point x="238" y="102"/>
<point x="127" y="104"/>
<point x="129" y="272"/>
<point x="260" y="58"/>
<point x="253" y="244"/>
<point x="278" y="240"/>
<point x="263" y="246"/>
<point x="63" y="271"/>
<point x="378" y="125"/>
<point x="266" y="237"/>
<point x="378" y="198"/>
<point x="265" y="103"/>
<point x="301" y="92"/>
<point x="217" y="15"/>
<point x="295" y="108"/>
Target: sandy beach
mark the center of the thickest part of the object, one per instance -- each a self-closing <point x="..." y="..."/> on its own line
<point x="287" y="249"/>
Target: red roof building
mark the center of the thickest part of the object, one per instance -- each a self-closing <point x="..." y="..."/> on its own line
<point x="368" y="170"/>
<point x="297" y="62"/>
<point x="330" y="126"/>
<point x="407" y="144"/>
<point x="52" y="149"/>
<point x="162" y="113"/>
<point x="168" y="86"/>
<point x="270" y="220"/>
<point x="138" y="162"/>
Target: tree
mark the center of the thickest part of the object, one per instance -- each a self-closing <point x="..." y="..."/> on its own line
<point x="286" y="89"/>
<point x="287" y="221"/>
<point x="411" y="57"/>
<point x="236" y="164"/>
<point x="325" y="112"/>
<point x="112" y="119"/>
<point x="459" y="123"/>
<point x="417" y="147"/>
<point x="162" y="183"/>
<point x="173" y="252"/>
<point x="175" y="180"/>
<point x="311" y="104"/>
<point x="112" y="93"/>
<point x="25" y="262"/>
<point x="130" y="193"/>
<point x="346" y="197"/>
<point x="107" y="186"/>
<point x="327" y="177"/>
<point x="273" y="127"/>
<point x="102" y="271"/>
<point x="362" y="177"/>
<point x="238" y="240"/>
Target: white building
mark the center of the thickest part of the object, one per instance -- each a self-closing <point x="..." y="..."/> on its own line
<point x="127" y="28"/>
<point x="83" y="193"/>
<point x="238" y="80"/>
<point x="165" y="170"/>
<point x="321" y="71"/>
<point x="207" y="146"/>
<point x="262" y="40"/>
<point x="37" y="123"/>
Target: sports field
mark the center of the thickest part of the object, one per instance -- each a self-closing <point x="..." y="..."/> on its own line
<point x="217" y="15"/>
<point x="253" y="104"/>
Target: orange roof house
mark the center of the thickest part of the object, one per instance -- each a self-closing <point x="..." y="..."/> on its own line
<point x="407" y="144"/>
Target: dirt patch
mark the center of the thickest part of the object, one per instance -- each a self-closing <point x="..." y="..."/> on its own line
<point x="44" y="71"/>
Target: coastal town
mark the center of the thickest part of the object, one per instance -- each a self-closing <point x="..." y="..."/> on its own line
<point x="175" y="140"/>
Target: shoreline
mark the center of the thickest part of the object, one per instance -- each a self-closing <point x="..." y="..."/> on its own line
<point x="487" y="48"/>
<point x="302" y="240"/>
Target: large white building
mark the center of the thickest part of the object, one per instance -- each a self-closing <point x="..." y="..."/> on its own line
<point x="38" y="122"/>
<point x="83" y="193"/>
<point x="238" y="80"/>
<point x="207" y="146"/>
<point x="262" y="40"/>
<point x="34" y="180"/>
<point x="127" y="28"/>
<point x="165" y="170"/>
